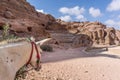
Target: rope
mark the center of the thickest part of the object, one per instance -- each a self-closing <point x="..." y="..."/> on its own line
<point x="38" y="56"/>
<point x="30" y="54"/>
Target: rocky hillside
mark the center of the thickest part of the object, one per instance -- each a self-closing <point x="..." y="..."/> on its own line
<point x="86" y="33"/>
<point x="24" y="20"/>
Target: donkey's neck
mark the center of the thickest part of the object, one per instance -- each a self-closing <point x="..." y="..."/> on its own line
<point x="12" y="58"/>
<point x="22" y="55"/>
<point x="17" y="56"/>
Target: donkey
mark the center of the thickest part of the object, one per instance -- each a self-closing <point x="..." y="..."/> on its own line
<point x="14" y="56"/>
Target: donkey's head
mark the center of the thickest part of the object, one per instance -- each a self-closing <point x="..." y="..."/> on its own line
<point x="36" y="53"/>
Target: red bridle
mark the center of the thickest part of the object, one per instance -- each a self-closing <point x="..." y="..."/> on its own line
<point x="38" y="54"/>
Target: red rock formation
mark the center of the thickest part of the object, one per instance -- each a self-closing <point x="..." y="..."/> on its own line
<point x="23" y="18"/>
<point x="97" y="32"/>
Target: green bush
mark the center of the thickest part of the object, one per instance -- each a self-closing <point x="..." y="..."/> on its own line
<point x="5" y="31"/>
<point x="46" y="48"/>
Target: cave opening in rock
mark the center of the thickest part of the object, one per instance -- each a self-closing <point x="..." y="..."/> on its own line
<point x="29" y="29"/>
<point x="1" y="28"/>
<point x="43" y="24"/>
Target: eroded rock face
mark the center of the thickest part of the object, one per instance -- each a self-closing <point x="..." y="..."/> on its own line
<point x="101" y="36"/>
<point x="118" y="34"/>
<point x="110" y="38"/>
<point x="82" y="40"/>
<point x="23" y="19"/>
<point x="98" y="33"/>
<point x="9" y="15"/>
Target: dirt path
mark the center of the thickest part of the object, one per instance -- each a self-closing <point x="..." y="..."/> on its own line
<point x="75" y="64"/>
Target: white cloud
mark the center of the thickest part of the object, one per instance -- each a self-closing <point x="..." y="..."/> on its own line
<point x="118" y="16"/>
<point x="95" y="12"/>
<point x="113" y="23"/>
<point x="75" y="12"/>
<point x="40" y="10"/>
<point x="114" y="5"/>
<point x="66" y="18"/>
<point x="81" y="18"/>
<point x="72" y="11"/>
<point x="110" y="22"/>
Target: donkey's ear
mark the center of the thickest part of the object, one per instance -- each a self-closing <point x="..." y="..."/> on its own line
<point x="43" y="41"/>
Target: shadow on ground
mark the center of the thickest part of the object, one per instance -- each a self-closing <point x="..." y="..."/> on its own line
<point x="61" y="55"/>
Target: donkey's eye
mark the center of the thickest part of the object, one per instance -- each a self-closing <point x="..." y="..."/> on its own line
<point x="37" y="61"/>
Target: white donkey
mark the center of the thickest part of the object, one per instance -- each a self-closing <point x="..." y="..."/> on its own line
<point x="14" y="56"/>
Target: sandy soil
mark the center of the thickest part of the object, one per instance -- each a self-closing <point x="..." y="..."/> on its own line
<point x="76" y="64"/>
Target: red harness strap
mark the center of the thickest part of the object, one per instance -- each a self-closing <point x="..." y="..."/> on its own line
<point x="38" y="56"/>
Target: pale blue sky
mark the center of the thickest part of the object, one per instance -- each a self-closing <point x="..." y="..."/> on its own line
<point x="105" y="11"/>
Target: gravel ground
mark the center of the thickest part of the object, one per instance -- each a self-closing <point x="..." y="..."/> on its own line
<point x="76" y="64"/>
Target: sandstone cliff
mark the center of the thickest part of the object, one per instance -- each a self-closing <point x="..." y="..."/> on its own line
<point x="87" y="33"/>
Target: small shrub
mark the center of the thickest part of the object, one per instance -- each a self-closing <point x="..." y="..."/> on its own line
<point x="46" y="48"/>
<point x="5" y="31"/>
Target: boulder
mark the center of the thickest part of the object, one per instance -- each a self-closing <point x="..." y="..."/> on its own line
<point x="9" y="15"/>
